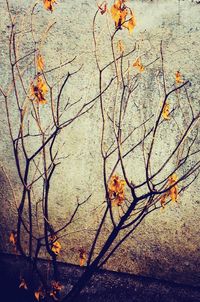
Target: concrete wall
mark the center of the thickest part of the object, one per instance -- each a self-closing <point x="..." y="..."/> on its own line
<point x="166" y="245"/>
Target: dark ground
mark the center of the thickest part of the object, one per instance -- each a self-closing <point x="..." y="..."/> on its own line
<point x="106" y="286"/>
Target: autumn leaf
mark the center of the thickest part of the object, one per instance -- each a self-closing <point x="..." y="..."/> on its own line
<point x="56" y="247"/>
<point x="131" y="23"/>
<point x="102" y="8"/>
<point x="173" y="192"/>
<point x="120" y="46"/>
<point x="119" y="12"/>
<point x="82" y="257"/>
<point x="37" y="296"/>
<point x="163" y="200"/>
<point x="178" y="77"/>
<point x="173" y="178"/>
<point x="38" y="90"/>
<point x="39" y="293"/>
<point x="48" y="4"/>
<point x="13" y="238"/>
<point x="40" y="62"/>
<point x="23" y="284"/>
<point x="165" y="112"/>
<point x="137" y="64"/>
<point x="116" y="190"/>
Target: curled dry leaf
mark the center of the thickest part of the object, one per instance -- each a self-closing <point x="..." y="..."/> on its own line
<point x="40" y="62"/>
<point x="165" y="112"/>
<point x="172" y="193"/>
<point x="39" y="90"/>
<point x="23" y="284"/>
<point x="102" y="7"/>
<point x="82" y="257"/>
<point x="131" y="23"/>
<point x="178" y="77"/>
<point x="13" y="238"/>
<point x="116" y="190"/>
<point x="39" y="293"/>
<point x="56" y="247"/>
<point x="138" y="64"/>
<point x="120" y="46"/>
<point x="48" y="4"/>
<point x="119" y="12"/>
<point x="122" y="15"/>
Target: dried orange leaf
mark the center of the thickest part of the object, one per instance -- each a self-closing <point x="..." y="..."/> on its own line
<point x="48" y="4"/>
<point x="137" y="64"/>
<point x="165" y="112"/>
<point x="119" y="12"/>
<point x="131" y="23"/>
<point x="56" y="247"/>
<point x="116" y="190"/>
<point x="82" y="257"/>
<point x="13" y="237"/>
<point x="173" y="192"/>
<point x="37" y="295"/>
<point x="178" y="77"/>
<point x="38" y="90"/>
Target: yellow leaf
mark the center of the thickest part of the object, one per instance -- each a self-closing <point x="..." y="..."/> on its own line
<point x="23" y="284"/>
<point x="137" y="64"/>
<point x="174" y="193"/>
<point x="178" y="77"/>
<point x="173" y="178"/>
<point x="131" y="23"/>
<point x="40" y="62"/>
<point x="120" y="46"/>
<point x="165" y="112"/>
<point x="118" y="12"/>
<point x="48" y="4"/>
<point x="56" y="247"/>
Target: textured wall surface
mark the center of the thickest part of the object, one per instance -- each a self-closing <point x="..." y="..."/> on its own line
<point x="166" y="244"/>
